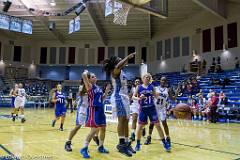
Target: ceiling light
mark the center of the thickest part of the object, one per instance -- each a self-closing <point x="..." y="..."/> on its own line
<point x="80" y="9"/>
<point x="52" y="3"/>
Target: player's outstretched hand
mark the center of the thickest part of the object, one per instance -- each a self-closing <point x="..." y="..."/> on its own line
<point x="132" y="55"/>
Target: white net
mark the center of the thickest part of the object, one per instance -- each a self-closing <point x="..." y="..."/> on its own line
<point x="121" y="14"/>
<point x="121" y="10"/>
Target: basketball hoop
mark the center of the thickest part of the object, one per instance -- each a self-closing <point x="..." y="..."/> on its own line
<point x="139" y="2"/>
<point x="121" y="10"/>
<point x="120" y="15"/>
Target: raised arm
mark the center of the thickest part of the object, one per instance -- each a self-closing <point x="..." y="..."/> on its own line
<point x="86" y="81"/>
<point x="135" y="94"/>
<point x="107" y="90"/>
<point x="124" y="61"/>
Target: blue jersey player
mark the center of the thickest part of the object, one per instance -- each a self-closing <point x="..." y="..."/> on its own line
<point x="60" y="109"/>
<point x="96" y="119"/>
<point x="145" y="93"/>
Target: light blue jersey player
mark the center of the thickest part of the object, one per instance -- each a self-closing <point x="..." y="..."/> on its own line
<point x="120" y="100"/>
<point x="60" y="108"/>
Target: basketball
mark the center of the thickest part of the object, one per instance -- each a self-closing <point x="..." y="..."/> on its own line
<point x="182" y="111"/>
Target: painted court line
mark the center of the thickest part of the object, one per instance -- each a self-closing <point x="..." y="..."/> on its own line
<point x="10" y="156"/>
<point x="207" y="149"/>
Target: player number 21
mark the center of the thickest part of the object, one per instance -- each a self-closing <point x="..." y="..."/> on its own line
<point x="147" y="100"/>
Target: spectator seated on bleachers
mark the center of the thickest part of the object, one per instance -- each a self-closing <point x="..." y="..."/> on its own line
<point x="223" y="100"/>
<point x="36" y="88"/>
<point x="184" y="70"/>
<point x="204" y="64"/>
<point x="189" y="87"/>
<point x="195" y="109"/>
<point x="194" y="66"/>
<point x="219" y="69"/>
<point x="215" y="81"/>
<point x="226" y="82"/>
<point x="200" y="93"/>
<point x="213" y="66"/>
<point x="201" y="104"/>
<point x="195" y="86"/>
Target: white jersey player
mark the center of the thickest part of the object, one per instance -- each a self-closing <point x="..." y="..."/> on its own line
<point x="134" y="109"/>
<point x="81" y="116"/>
<point x="161" y="102"/>
<point x="82" y="107"/>
<point x="20" y="102"/>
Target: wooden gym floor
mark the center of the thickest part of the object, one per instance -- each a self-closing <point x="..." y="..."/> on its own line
<point x="36" y="139"/>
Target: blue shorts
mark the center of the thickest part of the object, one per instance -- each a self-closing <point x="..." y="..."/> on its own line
<point x="146" y="112"/>
<point x="60" y="111"/>
<point x="95" y="117"/>
<point x="12" y="102"/>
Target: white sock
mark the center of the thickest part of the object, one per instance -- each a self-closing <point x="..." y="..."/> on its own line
<point x="21" y="116"/>
<point x="100" y="143"/>
<point x="86" y="143"/>
<point x="133" y="130"/>
<point x="126" y="139"/>
<point x="195" y="117"/>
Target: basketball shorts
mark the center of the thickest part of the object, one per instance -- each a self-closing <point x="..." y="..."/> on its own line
<point x="81" y="115"/>
<point x="12" y="101"/>
<point x="19" y="102"/>
<point x="122" y="105"/>
<point x="134" y="108"/>
<point x="95" y="117"/>
<point x="148" y="112"/>
<point x="162" y="113"/>
<point x="60" y="111"/>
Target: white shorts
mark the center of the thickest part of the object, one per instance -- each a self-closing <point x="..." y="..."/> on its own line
<point x="19" y="102"/>
<point x="121" y="106"/>
<point x="81" y="116"/>
<point x="162" y="113"/>
<point x="134" y="108"/>
<point x="82" y="112"/>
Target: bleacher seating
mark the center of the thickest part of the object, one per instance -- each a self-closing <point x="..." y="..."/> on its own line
<point x="232" y="91"/>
